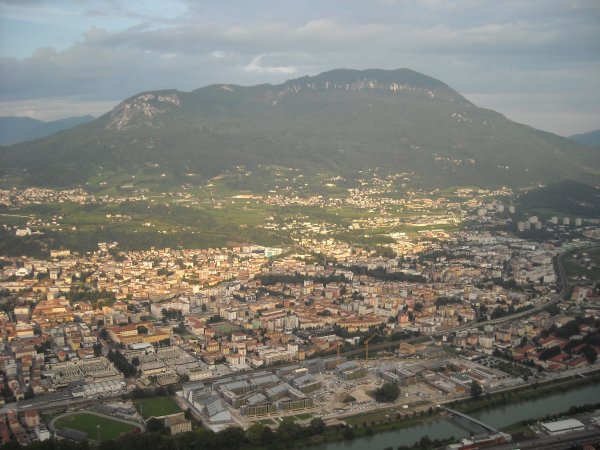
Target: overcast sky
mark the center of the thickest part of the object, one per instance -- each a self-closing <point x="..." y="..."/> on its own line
<point x="536" y="61"/>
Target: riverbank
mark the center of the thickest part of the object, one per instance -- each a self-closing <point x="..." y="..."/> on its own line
<point x="431" y="419"/>
<point x="531" y="392"/>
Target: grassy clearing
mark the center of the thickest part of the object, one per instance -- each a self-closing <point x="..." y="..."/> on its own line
<point x="266" y="422"/>
<point x="223" y="327"/>
<point x="576" y="267"/>
<point x="157" y="406"/>
<point x="373" y="416"/>
<point x="88" y="423"/>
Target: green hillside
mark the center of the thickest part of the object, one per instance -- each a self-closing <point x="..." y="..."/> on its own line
<point x="565" y="197"/>
<point x="341" y="121"/>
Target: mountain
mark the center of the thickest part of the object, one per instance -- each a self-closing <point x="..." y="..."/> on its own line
<point x="20" y="129"/>
<point x="591" y="138"/>
<point x="338" y="122"/>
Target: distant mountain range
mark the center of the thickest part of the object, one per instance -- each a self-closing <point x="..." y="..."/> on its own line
<point x="592" y="138"/>
<point x="339" y="122"/>
<point x="20" y="129"/>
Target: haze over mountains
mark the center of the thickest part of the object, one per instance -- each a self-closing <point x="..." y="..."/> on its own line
<point x="338" y="122"/>
<point x="20" y="129"/>
<point x="591" y="138"/>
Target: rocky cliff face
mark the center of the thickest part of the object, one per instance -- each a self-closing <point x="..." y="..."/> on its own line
<point x="142" y="110"/>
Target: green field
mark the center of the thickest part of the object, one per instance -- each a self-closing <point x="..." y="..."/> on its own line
<point x="576" y="267"/>
<point x="223" y="327"/>
<point x="157" y="406"/>
<point x="88" y="423"/>
<point x="265" y="422"/>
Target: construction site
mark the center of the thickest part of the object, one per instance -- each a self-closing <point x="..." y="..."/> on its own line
<point x="335" y="387"/>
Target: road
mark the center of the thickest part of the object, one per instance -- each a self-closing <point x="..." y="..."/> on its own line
<point x="554" y="299"/>
<point x="560" y="442"/>
<point x="67" y="403"/>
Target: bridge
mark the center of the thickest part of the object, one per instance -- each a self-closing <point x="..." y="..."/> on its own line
<point x="469" y="418"/>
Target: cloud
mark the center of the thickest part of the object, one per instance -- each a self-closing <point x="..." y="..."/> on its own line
<point x="256" y="65"/>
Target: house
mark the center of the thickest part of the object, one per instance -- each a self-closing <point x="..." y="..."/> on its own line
<point x="177" y="423"/>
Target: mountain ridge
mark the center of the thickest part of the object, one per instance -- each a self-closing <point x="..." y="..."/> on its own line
<point x="341" y="121"/>
<point x="14" y="130"/>
<point x="591" y="138"/>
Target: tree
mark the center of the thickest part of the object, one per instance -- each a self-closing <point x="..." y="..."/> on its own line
<point x="590" y="353"/>
<point x="288" y="430"/>
<point x="231" y="437"/>
<point x="569" y="329"/>
<point x="255" y="433"/>
<point x="550" y="352"/>
<point x="425" y="442"/>
<point x="389" y="392"/>
<point x="215" y="319"/>
<point x="107" y="445"/>
<point x="141" y="329"/>
<point x="29" y="393"/>
<point x="267" y="436"/>
<point x="180" y="329"/>
<point x="349" y="433"/>
<point x="476" y="390"/>
<point x="155" y="425"/>
<point x="316" y="426"/>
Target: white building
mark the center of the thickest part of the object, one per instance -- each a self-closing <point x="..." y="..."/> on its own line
<point x="562" y="426"/>
<point x="180" y="304"/>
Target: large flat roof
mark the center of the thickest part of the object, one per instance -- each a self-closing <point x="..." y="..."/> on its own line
<point x="562" y="425"/>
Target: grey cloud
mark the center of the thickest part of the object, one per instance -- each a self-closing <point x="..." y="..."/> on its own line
<point x="103" y="58"/>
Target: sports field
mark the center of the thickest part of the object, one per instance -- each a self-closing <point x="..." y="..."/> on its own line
<point x="223" y="327"/>
<point x="88" y="423"/>
<point x="157" y="406"/>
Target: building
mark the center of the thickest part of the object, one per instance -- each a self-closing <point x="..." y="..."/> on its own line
<point x="32" y="418"/>
<point x="180" y="304"/>
<point x="350" y="370"/>
<point x="42" y="433"/>
<point x="562" y="426"/>
<point x="307" y="384"/>
<point x="216" y="412"/>
<point x="177" y="423"/>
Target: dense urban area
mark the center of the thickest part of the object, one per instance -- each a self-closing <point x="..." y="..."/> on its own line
<point x="362" y="310"/>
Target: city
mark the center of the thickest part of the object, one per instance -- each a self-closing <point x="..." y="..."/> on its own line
<point x="247" y="335"/>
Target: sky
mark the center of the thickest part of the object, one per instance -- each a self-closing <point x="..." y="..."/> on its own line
<point x="535" y="61"/>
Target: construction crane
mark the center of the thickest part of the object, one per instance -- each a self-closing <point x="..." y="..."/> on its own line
<point x="367" y="346"/>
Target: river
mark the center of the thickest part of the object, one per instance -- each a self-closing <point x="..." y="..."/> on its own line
<point x="459" y="428"/>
